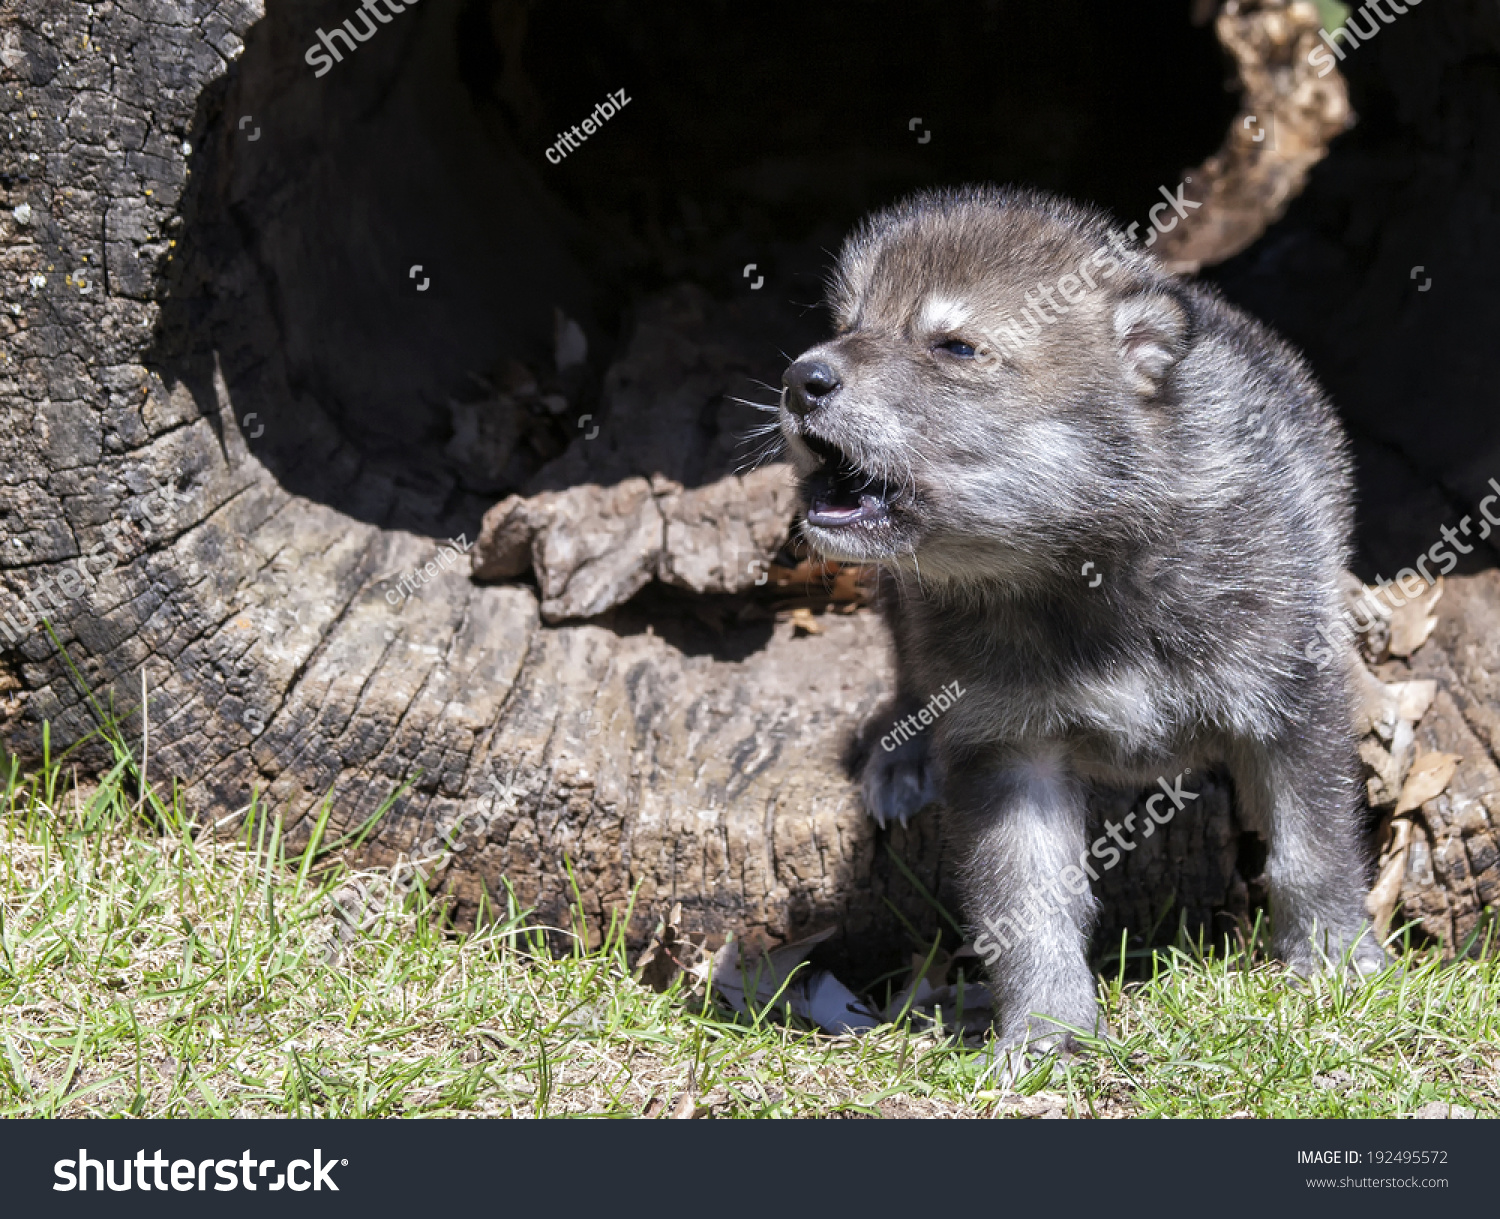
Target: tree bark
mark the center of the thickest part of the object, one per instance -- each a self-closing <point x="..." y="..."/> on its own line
<point x="230" y="290"/>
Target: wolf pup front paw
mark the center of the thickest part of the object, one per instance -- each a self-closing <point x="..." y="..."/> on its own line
<point x="899" y="780"/>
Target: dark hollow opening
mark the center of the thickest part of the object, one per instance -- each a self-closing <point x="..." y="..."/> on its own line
<point x="749" y="136"/>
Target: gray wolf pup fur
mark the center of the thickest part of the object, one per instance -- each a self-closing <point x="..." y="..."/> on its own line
<point x="1013" y="393"/>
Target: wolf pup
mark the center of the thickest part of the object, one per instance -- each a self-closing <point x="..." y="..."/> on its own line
<point x="1112" y="509"/>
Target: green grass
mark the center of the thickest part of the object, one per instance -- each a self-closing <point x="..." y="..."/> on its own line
<point x="1333" y="13"/>
<point x="151" y="967"/>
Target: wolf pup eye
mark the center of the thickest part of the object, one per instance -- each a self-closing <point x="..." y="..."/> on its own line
<point x="956" y="347"/>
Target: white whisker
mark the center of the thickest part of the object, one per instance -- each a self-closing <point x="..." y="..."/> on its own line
<point x="763" y="429"/>
<point x="767" y="453"/>
<point x="770" y="409"/>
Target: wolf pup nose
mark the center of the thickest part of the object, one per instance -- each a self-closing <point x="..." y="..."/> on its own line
<point x="1113" y="510"/>
<point x="809" y="384"/>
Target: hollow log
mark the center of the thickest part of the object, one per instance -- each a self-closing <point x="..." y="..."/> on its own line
<point x="404" y="467"/>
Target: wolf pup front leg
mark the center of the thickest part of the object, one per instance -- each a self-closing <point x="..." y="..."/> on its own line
<point x="901" y="774"/>
<point x="1019" y="832"/>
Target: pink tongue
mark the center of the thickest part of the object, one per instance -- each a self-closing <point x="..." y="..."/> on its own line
<point x="827" y="512"/>
<point x="833" y="515"/>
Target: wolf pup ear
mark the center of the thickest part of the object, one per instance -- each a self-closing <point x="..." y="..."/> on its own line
<point x="1152" y="330"/>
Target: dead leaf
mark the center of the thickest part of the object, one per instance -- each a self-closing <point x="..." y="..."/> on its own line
<point x="750" y="981"/>
<point x="928" y="993"/>
<point x="668" y="953"/>
<point x="1429" y="778"/>
<point x="803" y="620"/>
<point x="1388" y="768"/>
<point x="1378" y="706"/>
<point x="841" y="583"/>
<point x="830" y="1004"/>
<point x="1380" y="904"/>
<point x="1414" y="698"/>
<point x="1383" y="705"/>
<point x="921" y="982"/>
<point x="1412" y="623"/>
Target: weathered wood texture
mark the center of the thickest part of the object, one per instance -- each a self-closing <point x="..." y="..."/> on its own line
<point x="1289" y="114"/>
<point x="252" y="337"/>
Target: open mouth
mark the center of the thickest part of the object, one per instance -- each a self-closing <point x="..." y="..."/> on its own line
<point x="839" y="493"/>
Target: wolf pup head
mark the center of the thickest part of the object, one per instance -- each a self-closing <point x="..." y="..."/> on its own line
<point x="949" y="426"/>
